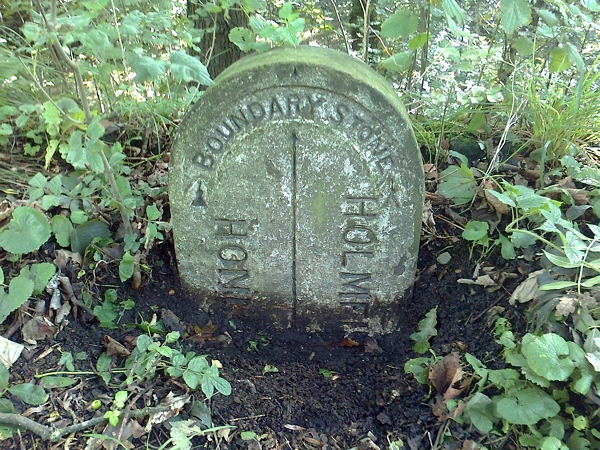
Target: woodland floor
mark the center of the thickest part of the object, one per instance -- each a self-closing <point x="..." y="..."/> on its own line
<point x="368" y="399"/>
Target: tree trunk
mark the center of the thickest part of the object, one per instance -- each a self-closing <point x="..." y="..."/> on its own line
<point x="218" y="52"/>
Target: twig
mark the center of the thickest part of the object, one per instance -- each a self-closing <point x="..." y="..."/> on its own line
<point x="367" y="21"/>
<point x="55" y="434"/>
<point x="339" y="20"/>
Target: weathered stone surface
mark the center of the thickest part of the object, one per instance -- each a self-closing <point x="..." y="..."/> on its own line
<point x="296" y="191"/>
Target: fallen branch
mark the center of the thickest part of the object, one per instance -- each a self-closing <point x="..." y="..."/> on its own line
<point x="55" y="434"/>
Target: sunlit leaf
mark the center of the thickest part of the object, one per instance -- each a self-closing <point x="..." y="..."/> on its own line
<point x="547" y="356"/>
<point x="26" y="232"/>
<point x="400" y="25"/>
<point x="526" y="407"/>
<point x="398" y="62"/>
<point x="188" y="68"/>
<point x="29" y="393"/>
<point x="559" y="60"/>
<point x="514" y="14"/>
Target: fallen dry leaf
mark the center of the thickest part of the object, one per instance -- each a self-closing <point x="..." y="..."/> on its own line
<point x="445" y="373"/>
<point x="527" y="290"/>
<point x="567" y="305"/>
<point x="171" y="321"/>
<point x="115" y="348"/>
<point x="347" y="342"/>
<point x="483" y="280"/>
<point x="36" y="329"/>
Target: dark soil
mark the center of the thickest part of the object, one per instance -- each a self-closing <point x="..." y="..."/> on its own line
<point x="366" y="395"/>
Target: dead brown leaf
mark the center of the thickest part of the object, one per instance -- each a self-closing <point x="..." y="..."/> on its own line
<point x="115" y="348"/>
<point x="527" y="290"/>
<point x="347" y="342"/>
<point x="488" y="185"/>
<point x="445" y="374"/>
<point x="38" y="329"/>
<point x="567" y="305"/>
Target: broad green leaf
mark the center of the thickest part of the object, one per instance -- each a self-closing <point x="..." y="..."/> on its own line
<point x="548" y="356"/>
<point x="426" y="331"/>
<point x="38" y="180"/>
<point x="478" y="123"/>
<point x="398" y="62"/>
<point x="481" y="412"/>
<point x="419" y="367"/>
<point x="286" y="11"/>
<point x="27" y="231"/>
<point x="524" y="46"/>
<point x="548" y="17"/>
<point x="95" y="130"/>
<point x="418" y="41"/>
<point x="40" y="274"/>
<point x="19" y="291"/>
<point x="475" y="230"/>
<point x="514" y="14"/>
<point x="458" y="184"/>
<point x="152" y="212"/>
<point x="148" y="69"/>
<point x="251" y="6"/>
<point x="505" y="378"/>
<point x="83" y="235"/>
<point x="62" y="229"/>
<point x="452" y="9"/>
<point x="53" y="381"/>
<point x="243" y="38"/>
<point x="559" y="60"/>
<point x="560" y="261"/>
<point x="52" y="118"/>
<point x="526" y="407"/>
<point x="126" y="267"/>
<point x="400" y="25"/>
<point x="507" y="249"/>
<point x="187" y="68"/>
<point x="6" y="406"/>
<point x="29" y="393"/>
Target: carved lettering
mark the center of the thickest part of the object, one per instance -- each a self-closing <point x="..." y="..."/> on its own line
<point x="358" y="234"/>
<point x="232" y="252"/>
<point x="361" y="206"/>
<point x="231" y="282"/>
<point x="233" y="228"/>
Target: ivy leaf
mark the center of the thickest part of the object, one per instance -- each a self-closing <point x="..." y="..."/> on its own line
<point x="426" y="331"/>
<point x="26" y="232"/>
<point x="29" y="393"/>
<point x="187" y="68"/>
<point x="547" y="356"/>
<point x="526" y="407"/>
<point x="514" y="14"/>
<point x="458" y="184"/>
<point x="400" y="25"/>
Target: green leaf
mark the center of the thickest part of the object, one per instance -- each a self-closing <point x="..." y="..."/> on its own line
<point x="243" y="38"/>
<point x="62" y="229"/>
<point x="453" y="10"/>
<point x="560" y="285"/>
<point x="27" y="231"/>
<point x="40" y="274"/>
<point x="475" y="230"/>
<point x="286" y="11"/>
<point x="514" y="14"/>
<point x="152" y="212"/>
<point x="83" y="235"/>
<point x="458" y="184"/>
<point x="187" y="68"/>
<point x="418" y="41"/>
<point x="19" y="291"/>
<point x="507" y="249"/>
<point x="548" y="17"/>
<point x="52" y="118"/>
<point x="526" y="407"/>
<point x="126" y="267"/>
<point x="398" y="62"/>
<point x="29" y="393"/>
<point x="402" y="24"/>
<point x="4" y="375"/>
<point x="481" y="412"/>
<point x="52" y="381"/>
<point x="1" y="276"/>
<point x="524" y="46"/>
<point x="148" y="69"/>
<point x="547" y="356"/>
<point x="419" y="367"/>
<point x="426" y="331"/>
<point x="559" y="60"/>
<point x="95" y="130"/>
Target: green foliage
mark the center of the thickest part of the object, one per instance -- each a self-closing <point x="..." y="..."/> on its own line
<point x="150" y="356"/>
<point x="26" y="232"/>
<point x="426" y="331"/>
<point x="264" y="34"/>
<point x="458" y="184"/>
